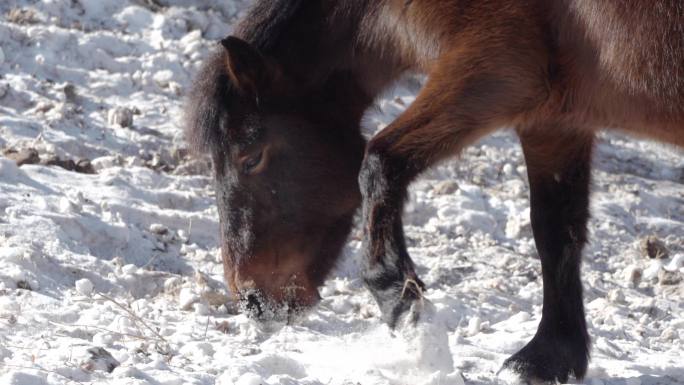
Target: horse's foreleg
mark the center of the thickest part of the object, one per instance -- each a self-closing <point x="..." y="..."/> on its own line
<point x="558" y="166"/>
<point x="459" y="104"/>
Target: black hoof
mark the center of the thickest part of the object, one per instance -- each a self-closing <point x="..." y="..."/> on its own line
<point x="549" y="360"/>
<point x="402" y="302"/>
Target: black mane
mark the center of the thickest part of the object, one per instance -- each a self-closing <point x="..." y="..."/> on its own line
<point x="206" y="102"/>
<point x="211" y="92"/>
<point x="266" y="22"/>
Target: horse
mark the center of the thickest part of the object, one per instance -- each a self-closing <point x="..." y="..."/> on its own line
<point x="279" y="104"/>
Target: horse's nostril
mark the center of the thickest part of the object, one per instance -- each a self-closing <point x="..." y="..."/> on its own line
<point x="252" y="305"/>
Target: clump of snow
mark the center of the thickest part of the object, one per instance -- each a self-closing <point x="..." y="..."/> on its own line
<point x="120" y="116"/>
<point x="84" y="286"/>
<point x="676" y="264"/>
<point x="127" y="260"/>
<point x="99" y="359"/>
<point x="474" y="325"/>
<point x="8" y="169"/>
<point x="651" y="272"/>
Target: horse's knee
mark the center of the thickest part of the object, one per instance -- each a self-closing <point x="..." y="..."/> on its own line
<point x="384" y="174"/>
<point x="374" y="175"/>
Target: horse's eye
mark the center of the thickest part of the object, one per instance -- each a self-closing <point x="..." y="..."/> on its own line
<point x="250" y="164"/>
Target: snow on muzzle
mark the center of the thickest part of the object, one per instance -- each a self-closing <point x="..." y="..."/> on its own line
<point x="272" y="291"/>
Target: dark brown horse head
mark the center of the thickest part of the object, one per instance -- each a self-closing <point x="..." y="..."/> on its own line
<point x="286" y="159"/>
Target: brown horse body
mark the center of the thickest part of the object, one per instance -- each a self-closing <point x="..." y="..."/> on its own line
<point x="557" y="71"/>
<point x="590" y="65"/>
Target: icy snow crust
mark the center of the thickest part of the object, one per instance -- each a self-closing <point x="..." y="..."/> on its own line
<point x="127" y="260"/>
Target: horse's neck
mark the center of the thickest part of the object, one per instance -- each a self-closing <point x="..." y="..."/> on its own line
<point x="378" y="55"/>
<point x="320" y="42"/>
<point x="349" y="39"/>
<point x="343" y="40"/>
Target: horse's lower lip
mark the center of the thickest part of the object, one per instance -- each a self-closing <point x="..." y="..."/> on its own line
<point x="265" y="309"/>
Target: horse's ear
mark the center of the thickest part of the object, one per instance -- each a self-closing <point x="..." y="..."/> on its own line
<point x="247" y="68"/>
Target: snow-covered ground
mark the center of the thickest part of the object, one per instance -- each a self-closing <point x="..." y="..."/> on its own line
<point x="118" y="269"/>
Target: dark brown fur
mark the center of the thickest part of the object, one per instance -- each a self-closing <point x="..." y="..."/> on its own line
<point x="558" y="71"/>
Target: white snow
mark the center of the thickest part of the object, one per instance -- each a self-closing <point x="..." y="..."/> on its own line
<point x="84" y="286"/>
<point x="127" y="259"/>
